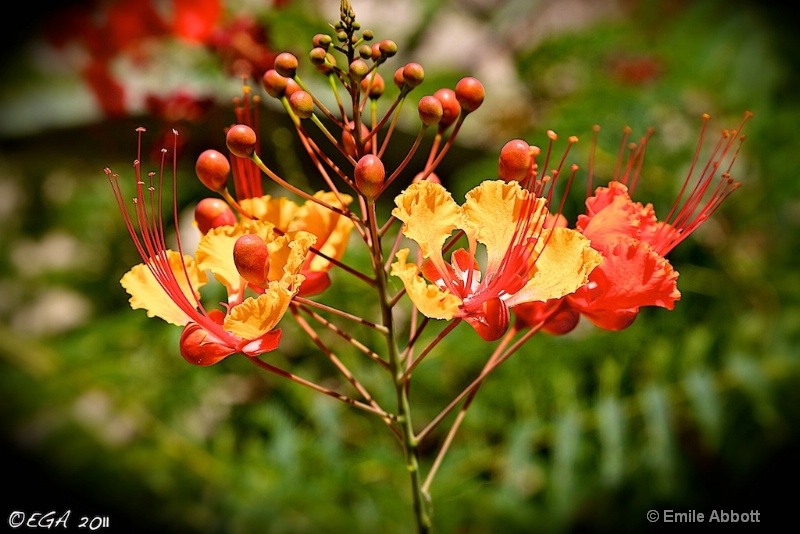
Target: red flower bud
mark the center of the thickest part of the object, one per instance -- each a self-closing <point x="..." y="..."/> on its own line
<point x="241" y="140"/>
<point x="369" y="175"/>
<point x="315" y="283"/>
<point x="274" y="84"/>
<point x="322" y="40"/>
<point x="212" y="213"/>
<point x="213" y="168"/>
<point x="251" y="257"/>
<point x="432" y="177"/>
<point x="387" y="47"/>
<point x="430" y="110"/>
<point x="398" y="79"/>
<point x="378" y="85"/>
<point x="291" y="87"/>
<point x="286" y="64"/>
<point x="302" y="104"/>
<point x="450" y="106"/>
<point x="326" y="67"/>
<point x="470" y="94"/>
<point x="515" y="161"/>
<point x="413" y="74"/>
<point x="349" y="141"/>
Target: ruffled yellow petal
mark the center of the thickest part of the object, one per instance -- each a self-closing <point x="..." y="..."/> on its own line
<point x="287" y="254"/>
<point x="429" y="299"/>
<point x="430" y="215"/>
<point x="147" y="293"/>
<point x="492" y="210"/>
<point x="563" y="266"/>
<point x="256" y="316"/>
<point x="215" y="250"/>
<point x="332" y="229"/>
<point x="279" y="211"/>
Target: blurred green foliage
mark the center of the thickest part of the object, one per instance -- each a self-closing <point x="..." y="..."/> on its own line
<point x="691" y="409"/>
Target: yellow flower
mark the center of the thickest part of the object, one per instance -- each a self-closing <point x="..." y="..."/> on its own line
<point x="525" y="261"/>
<point x="167" y="283"/>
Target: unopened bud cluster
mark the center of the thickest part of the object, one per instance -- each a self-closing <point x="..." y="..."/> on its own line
<point x="352" y="58"/>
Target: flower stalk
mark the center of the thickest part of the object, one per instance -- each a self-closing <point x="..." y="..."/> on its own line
<point x="502" y="265"/>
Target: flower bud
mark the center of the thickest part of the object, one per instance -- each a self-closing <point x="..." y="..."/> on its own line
<point x="432" y="177"/>
<point x="388" y="48"/>
<point x="213" y="168"/>
<point x="398" y="79"/>
<point x="251" y="257"/>
<point x="274" y="84"/>
<point x="365" y="51"/>
<point x="375" y="86"/>
<point x="349" y="141"/>
<point x="450" y="106"/>
<point x="326" y="67"/>
<point x="514" y="162"/>
<point x="286" y="64"/>
<point x="315" y="283"/>
<point x="302" y="104"/>
<point x="212" y="213"/>
<point x="369" y="175"/>
<point x="413" y="74"/>
<point x="470" y="94"/>
<point x="359" y="69"/>
<point x="241" y="140"/>
<point x="291" y="87"/>
<point x="322" y="40"/>
<point x="317" y="56"/>
<point x="430" y="110"/>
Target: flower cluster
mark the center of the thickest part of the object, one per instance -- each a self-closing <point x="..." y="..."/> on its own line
<point x="506" y="250"/>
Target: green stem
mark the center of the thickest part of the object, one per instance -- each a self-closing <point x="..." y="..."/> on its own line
<point x="421" y="500"/>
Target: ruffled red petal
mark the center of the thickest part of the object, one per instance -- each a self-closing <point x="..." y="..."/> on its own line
<point x="631" y="275"/>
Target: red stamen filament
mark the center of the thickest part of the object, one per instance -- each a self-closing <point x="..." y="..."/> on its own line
<point x="151" y="245"/>
<point x="686" y="218"/>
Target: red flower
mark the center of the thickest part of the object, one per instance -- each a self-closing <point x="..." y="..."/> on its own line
<point x="634" y="271"/>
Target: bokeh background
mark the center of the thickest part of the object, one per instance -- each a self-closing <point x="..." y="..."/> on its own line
<point x="694" y="409"/>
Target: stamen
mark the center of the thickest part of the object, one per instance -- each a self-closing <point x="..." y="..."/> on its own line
<point x="621" y="155"/>
<point x="246" y="174"/>
<point x="683" y="219"/>
<point x="146" y="228"/>
<point x="592" y="151"/>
